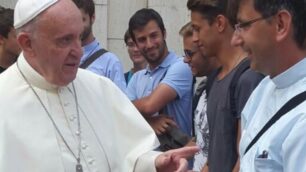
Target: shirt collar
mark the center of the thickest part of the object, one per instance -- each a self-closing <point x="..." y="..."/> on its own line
<point x="90" y="46"/>
<point x="32" y="76"/>
<point x="170" y="59"/>
<point x="291" y="75"/>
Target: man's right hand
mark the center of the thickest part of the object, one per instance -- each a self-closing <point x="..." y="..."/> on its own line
<point x="160" y="123"/>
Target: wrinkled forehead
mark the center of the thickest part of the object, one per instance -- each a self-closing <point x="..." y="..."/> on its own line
<point x="63" y="12"/>
<point x="59" y="21"/>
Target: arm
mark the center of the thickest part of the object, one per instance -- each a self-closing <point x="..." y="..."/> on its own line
<point x="176" y="83"/>
<point x="158" y="99"/>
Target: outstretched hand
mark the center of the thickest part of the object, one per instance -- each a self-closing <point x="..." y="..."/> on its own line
<point x="175" y="160"/>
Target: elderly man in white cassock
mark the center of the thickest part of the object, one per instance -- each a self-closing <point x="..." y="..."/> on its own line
<point x="55" y="117"/>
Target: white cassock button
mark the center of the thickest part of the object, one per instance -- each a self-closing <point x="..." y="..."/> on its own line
<point x="77" y="132"/>
<point x="91" y="161"/>
<point x="84" y="146"/>
<point x="72" y="118"/>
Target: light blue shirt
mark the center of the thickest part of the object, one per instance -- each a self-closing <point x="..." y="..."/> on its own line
<point x="176" y="74"/>
<point x="107" y="65"/>
<point x="284" y="141"/>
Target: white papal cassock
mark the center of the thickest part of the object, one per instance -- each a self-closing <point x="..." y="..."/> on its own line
<point x="114" y="136"/>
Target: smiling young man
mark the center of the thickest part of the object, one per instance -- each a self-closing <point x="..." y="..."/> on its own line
<point x="165" y="86"/>
<point x="273" y="33"/>
<point x="200" y="67"/>
<point x="212" y="22"/>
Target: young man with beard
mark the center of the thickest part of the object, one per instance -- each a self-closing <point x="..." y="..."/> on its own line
<point x="273" y="33"/>
<point x="165" y="86"/>
<point x="106" y="63"/>
<point x="9" y="48"/>
<point x="200" y="67"/>
<point x="213" y="23"/>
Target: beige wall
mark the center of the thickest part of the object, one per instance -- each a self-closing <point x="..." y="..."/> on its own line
<point x="112" y="18"/>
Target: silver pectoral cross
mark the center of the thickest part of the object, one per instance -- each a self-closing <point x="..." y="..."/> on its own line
<point x="79" y="167"/>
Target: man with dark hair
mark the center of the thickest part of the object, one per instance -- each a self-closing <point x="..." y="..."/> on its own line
<point x="9" y="48"/>
<point x="200" y="67"/>
<point x="56" y="117"/>
<point x="103" y="63"/>
<point x="165" y="86"/>
<point x="231" y="84"/>
<point x="273" y="34"/>
<point x="139" y="62"/>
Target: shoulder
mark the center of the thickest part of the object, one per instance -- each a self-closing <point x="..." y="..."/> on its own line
<point x="109" y="60"/>
<point x="179" y="69"/>
<point x="111" y="56"/>
<point x="179" y="64"/>
<point x="250" y="77"/>
<point x="107" y="57"/>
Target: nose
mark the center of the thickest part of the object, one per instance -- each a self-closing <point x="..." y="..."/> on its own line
<point x="149" y="43"/>
<point x="195" y="37"/>
<point x="77" y="48"/>
<point x="236" y="39"/>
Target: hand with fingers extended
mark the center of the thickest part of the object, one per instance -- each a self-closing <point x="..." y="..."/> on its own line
<point x="160" y="123"/>
<point x="175" y="160"/>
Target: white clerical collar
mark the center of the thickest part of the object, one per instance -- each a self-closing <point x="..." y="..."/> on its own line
<point x="32" y="76"/>
<point x="291" y="75"/>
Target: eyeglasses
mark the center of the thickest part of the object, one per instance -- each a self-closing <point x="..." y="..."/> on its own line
<point x="240" y="26"/>
<point x="189" y="53"/>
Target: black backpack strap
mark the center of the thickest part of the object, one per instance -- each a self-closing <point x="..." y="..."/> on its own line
<point x="245" y="65"/>
<point x="197" y="94"/>
<point x="292" y="103"/>
<point x="92" y="58"/>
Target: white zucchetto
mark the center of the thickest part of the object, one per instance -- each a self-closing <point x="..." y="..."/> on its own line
<point x="26" y="10"/>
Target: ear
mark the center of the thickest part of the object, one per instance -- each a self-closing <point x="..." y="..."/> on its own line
<point x="220" y="22"/>
<point x="25" y="43"/>
<point x="165" y="34"/>
<point x="283" y="25"/>
<point x="93" y="19"/>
